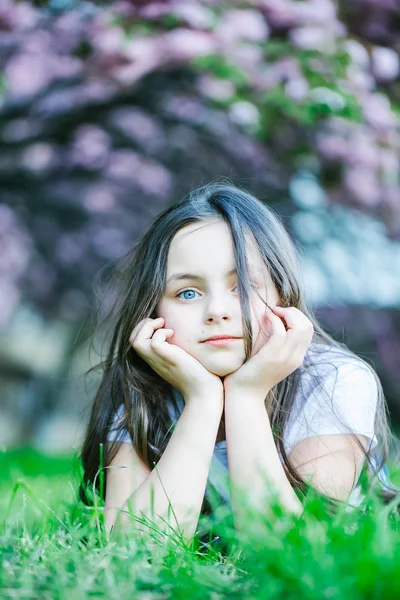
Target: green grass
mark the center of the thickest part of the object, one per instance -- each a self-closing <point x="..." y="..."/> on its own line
<point x="50" y="548"/>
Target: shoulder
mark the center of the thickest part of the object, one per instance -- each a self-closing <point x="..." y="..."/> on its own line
<point x="336" y="366"/>
<point x="337" y="393"/>
<point x="334" y="383"/>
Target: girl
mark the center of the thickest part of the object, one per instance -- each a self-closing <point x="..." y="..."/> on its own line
<point x="277" y="400"/>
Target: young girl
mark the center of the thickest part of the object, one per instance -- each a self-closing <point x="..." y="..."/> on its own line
<point x="275" y="399"/>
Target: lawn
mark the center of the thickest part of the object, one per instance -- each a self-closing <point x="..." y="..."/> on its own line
<point x="53" y="548"/>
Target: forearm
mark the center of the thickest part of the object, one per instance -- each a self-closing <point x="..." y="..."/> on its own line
<point x="182" y="471"/>
<point x="253" y="460"/>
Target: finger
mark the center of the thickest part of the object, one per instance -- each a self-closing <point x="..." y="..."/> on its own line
<point x="292" y="316"/>
<point x="145" y="330"/>
<point x="299" y="326"/>
<point x="160" y="336"/>
<point x="277" y="336"/>
<point x="158" y="343"/>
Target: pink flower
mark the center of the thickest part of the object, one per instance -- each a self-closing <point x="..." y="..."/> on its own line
<point x="38" y="157"/>
<point x="218" y="89"/>
<point x="91" y="146"/>
<point x="244" y="113"/>
<point x="378" y="112"/>
<point x="358" y="53"/>
<point x="99" y="199"/>
<point x="244" y="24"/>
<point x="332" y="147"/>
<point x="140" y="126"/>
<point x="17" y="16"/>
<point x="26" y="75"/>
<point x="385" y="63"/>
<point x="184" y="44"/>
<point x="313" y="38"/>
<point x="363" y="184"/>
<point x="297" y="89"/>
<point x="195" y="15"/>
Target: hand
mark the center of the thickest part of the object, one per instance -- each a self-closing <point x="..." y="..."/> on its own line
<point x="282" y="354"/>
<point x="172" y="363"/>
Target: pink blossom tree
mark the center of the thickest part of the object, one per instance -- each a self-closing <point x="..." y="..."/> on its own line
<point x="111" y="111"/>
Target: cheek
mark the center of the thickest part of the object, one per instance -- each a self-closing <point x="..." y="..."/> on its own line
<point x="176" y="317"/>
<point x="182" y="324"/>
<point x="170" y="315"/>
<point x="183" y="333"/>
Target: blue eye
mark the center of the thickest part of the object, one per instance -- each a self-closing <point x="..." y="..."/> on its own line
<point x="185" y="292"/>
<point x="191" y="290"/>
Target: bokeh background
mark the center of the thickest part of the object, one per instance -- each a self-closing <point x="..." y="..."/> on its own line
<point x="110" y="112"/>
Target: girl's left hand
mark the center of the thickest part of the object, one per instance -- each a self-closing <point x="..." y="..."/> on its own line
<point x="282" y="354"/>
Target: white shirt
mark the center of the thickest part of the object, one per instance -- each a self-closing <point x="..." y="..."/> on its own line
<point x="352" y="396"/>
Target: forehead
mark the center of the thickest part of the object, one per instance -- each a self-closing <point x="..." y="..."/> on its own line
<point x="209" y="243"/>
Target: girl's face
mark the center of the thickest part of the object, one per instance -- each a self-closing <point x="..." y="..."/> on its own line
<point x="197" y="308"/>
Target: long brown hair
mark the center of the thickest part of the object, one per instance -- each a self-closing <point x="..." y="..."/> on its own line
<point x="137" y="285"/>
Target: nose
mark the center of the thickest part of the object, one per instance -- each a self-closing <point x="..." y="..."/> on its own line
<point x="216" y="319"/>
<point x="218" y="309"/>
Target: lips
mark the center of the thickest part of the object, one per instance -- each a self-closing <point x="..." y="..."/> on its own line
<point x="221" y="337"/>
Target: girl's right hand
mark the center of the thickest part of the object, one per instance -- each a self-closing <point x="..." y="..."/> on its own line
<point x="172" y="363"/>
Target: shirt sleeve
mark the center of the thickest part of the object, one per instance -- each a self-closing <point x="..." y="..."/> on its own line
<point x="347" y="406"/>
<point x="114" y="434"/>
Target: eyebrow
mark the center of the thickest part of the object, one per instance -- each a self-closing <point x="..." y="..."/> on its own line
<point x="180" y="276"/>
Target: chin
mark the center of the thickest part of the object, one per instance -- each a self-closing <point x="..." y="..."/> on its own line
<point x="222" y="373"/>
<point x="222" y="370"/>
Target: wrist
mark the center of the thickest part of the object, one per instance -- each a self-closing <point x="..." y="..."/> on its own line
<point x="235" y="395"/>
<point x="208" y="400"/>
